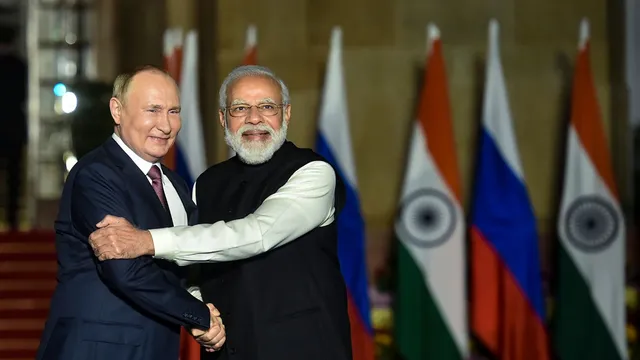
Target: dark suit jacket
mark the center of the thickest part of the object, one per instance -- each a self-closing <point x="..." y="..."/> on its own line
<point x="115" y="309"/>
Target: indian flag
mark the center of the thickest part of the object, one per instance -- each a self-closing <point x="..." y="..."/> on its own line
<point x="250" y="58"/>
<point x="431" y="318"/>
<point x="590" y="310"/>
<point x="251" y="46"/>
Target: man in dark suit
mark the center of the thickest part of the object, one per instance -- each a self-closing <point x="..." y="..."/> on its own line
<point x="126" y="309"/>
<point x="13" y="96"/>
<point x="268" y="233"/>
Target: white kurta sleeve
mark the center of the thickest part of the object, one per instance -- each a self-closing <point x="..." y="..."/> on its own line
<point x="304" y="202"/>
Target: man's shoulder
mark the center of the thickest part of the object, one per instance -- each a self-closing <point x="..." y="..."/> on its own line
<point x="96" y="163"/>
<point x="301" y="156"/>
<point x="308" y="157"/>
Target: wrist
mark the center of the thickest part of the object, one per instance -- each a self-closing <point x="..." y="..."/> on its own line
<point x="150" y="248"/>
<point x="163" y="245"/>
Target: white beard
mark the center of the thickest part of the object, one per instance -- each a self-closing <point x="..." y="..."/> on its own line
<point x="254" y="152"/>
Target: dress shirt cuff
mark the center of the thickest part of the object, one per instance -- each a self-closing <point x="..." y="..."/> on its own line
<point x="164" y="244"/>
<point x="195" y="292"/>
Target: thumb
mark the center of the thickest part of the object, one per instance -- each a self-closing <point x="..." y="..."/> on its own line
<point x="106" y="221"/>
<point x="213" y="309"/>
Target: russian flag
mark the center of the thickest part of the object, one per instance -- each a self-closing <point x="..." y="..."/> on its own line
<point x="507" y="310"/>
<point x="187" y="156"/>
<point x="334" y="143"/>
<point x="173" y="65"/>
<point x="190" y="151"/>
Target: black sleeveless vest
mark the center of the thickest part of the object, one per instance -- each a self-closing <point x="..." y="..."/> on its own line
<point x="288" y="303"/>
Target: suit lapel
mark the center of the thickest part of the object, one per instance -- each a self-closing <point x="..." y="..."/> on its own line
<point x="139" y="184"/>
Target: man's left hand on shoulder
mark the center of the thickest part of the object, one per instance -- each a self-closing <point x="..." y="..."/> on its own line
<point x="116" y="238"/>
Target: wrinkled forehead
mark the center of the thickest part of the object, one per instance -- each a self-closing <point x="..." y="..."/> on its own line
<point x="254" y="89"/>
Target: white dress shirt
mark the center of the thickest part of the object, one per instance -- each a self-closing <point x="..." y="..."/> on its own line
<point x="304" y="202"/>
<point x="176" y="207"/>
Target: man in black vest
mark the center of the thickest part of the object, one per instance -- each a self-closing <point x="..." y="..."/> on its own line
<point x="267" y="242"/>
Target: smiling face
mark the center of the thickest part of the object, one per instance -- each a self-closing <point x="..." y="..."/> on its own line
<point x="255" y="120"/>
<point x="148" y="120"/>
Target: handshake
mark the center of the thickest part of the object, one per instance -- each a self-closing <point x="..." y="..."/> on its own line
<point x="214" y="338"/>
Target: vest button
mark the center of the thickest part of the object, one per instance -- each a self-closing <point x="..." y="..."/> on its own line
<point x="232" y="350"/>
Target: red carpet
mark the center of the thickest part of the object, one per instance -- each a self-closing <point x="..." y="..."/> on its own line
<point x="27" y="279"/>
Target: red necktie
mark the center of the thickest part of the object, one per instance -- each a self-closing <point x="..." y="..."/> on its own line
<point x="156" y="181"/>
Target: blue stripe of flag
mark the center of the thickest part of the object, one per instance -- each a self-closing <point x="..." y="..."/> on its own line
<point x="182" y="168"/>
<point x="351" y="240"/>
<point x="504" y="215"/>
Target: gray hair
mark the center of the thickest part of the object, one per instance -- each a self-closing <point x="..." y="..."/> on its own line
<point x="251" y="70"/>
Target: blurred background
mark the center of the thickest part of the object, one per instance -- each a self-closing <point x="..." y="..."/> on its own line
<point x="68" y="52"/>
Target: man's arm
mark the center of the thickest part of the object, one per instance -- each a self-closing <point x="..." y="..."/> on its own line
<point x="303" y="203"/>
<point x="139" y="280"/>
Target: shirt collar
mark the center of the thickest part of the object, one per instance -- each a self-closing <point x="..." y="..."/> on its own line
<point x="141" y="163"/>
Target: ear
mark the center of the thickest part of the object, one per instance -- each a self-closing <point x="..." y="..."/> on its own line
<point x="115" y="106"/>
<point x="221" y="118"/>
<point x="287" y="113"/>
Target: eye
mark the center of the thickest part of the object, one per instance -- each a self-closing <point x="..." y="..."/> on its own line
<point x="267" y="107"/>
<point x="152" y="110"/>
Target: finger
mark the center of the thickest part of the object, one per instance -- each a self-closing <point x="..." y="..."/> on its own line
<point x="93" y="245"/>
<point x="104" y="222"/>
<point x="219" y="344"/>
<point x="95" y="236"/>
<point x="216" y="339"/>
<point x="196" y="333"/>
<point x="214" y="311"/>
<point x="102" y="248"/>
<point x="219" y="335"/>
<point x="97" y="243"/>
<point x="106" y="256"/>
<point x="210" y="347"/>
<point x="99" y="235"/>
<point x="211" y="333"/>
<point x="113" y="219"/>
<point x="109" y="220"/>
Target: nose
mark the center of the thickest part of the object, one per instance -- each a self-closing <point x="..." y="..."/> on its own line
<point x="254" y="116"/>
<point x="163" y="124"/>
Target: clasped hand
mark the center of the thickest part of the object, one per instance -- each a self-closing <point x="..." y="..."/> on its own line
<point x="214" y="338"/>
